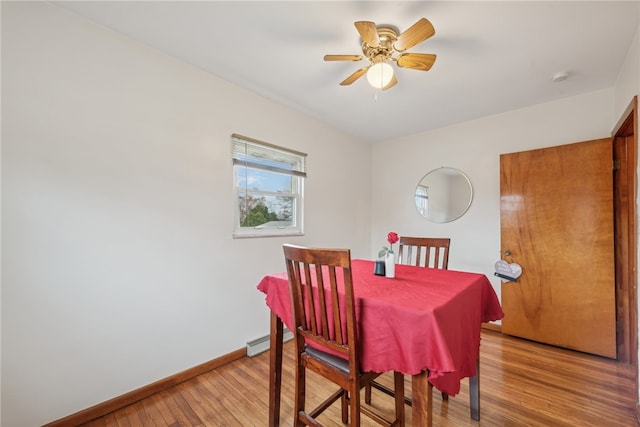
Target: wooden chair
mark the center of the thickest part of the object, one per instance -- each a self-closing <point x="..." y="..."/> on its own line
<point x="430" y="252"/>
<point x="321" y="288"/>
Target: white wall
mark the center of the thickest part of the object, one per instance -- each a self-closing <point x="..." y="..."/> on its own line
<point x="119" y="268"/>
<point x="628" y="82"/>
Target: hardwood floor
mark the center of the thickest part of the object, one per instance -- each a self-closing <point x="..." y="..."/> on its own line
<point x="521" y="384"/>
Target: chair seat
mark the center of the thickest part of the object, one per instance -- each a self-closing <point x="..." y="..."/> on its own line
<point x="327" y="358"/>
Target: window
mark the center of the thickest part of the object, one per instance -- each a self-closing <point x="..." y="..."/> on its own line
<point x="422" y="199"/>
<point x="269" y="184"/>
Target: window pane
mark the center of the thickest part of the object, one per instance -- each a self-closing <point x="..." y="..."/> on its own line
<point x="266" y="211"/>
<point x="422" y="199"/>
<point x="256" y="179"/>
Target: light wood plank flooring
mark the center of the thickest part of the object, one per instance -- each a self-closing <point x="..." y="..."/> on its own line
<point x="521" y="384"/>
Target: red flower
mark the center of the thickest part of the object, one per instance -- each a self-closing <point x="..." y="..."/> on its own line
<point x="392" y="237"/>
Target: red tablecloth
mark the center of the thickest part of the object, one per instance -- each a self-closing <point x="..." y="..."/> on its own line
<point x="422" y="319"/>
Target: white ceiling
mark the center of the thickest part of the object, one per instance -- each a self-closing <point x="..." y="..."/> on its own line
<point x="492" y="56"/>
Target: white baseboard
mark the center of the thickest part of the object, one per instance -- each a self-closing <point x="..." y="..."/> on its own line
<point x="261" y="344"/>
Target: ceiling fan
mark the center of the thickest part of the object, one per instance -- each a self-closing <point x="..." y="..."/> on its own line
<point x="380" y="44"/>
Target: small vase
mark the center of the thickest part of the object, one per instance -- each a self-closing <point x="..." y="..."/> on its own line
<point x="390" y="265"/>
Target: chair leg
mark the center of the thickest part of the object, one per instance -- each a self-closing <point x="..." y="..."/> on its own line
<point x="398" y="387"/>
<point x="445" y="396"/>
<point x="344" y="401"/>
<point x="354" y="404"/>
<point x="299" y="395"/>
<point x="367" y="394"/>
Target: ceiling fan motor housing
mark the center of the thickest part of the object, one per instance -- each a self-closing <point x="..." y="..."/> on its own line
<point x="387" y="35"/>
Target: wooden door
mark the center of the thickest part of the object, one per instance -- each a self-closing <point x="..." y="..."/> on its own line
<point x="556" y="214"/>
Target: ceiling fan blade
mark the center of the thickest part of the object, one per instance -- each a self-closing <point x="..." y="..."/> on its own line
<point x="368" y="32"/>
<point x="392" y="83"/>
<point x="342" y="57"/>
<point x="353" y="77"/>
<point x="418" y="32"/>
<point x="417" y="61"/>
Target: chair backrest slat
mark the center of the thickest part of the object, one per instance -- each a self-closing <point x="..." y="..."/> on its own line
<point x="438" y="247"/>
<point x="335" y="303"/>
<point x="310" y="320"/>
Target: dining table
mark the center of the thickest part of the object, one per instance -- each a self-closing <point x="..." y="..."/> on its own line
<point x="424" y="322"/>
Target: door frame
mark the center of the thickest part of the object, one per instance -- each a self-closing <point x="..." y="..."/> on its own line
<point x="626" y="295"/>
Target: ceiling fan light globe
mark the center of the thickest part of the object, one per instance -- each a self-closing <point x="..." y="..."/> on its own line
<point x="379" y="75"/>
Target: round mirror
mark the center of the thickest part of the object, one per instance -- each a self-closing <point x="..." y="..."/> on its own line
<point x="443" y="195"/>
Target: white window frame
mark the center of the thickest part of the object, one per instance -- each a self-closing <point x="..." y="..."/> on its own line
<point x="249" y="154"/>
<point x="422" y="199"/>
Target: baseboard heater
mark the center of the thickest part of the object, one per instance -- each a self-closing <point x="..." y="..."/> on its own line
<point x="261" y="344"/>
